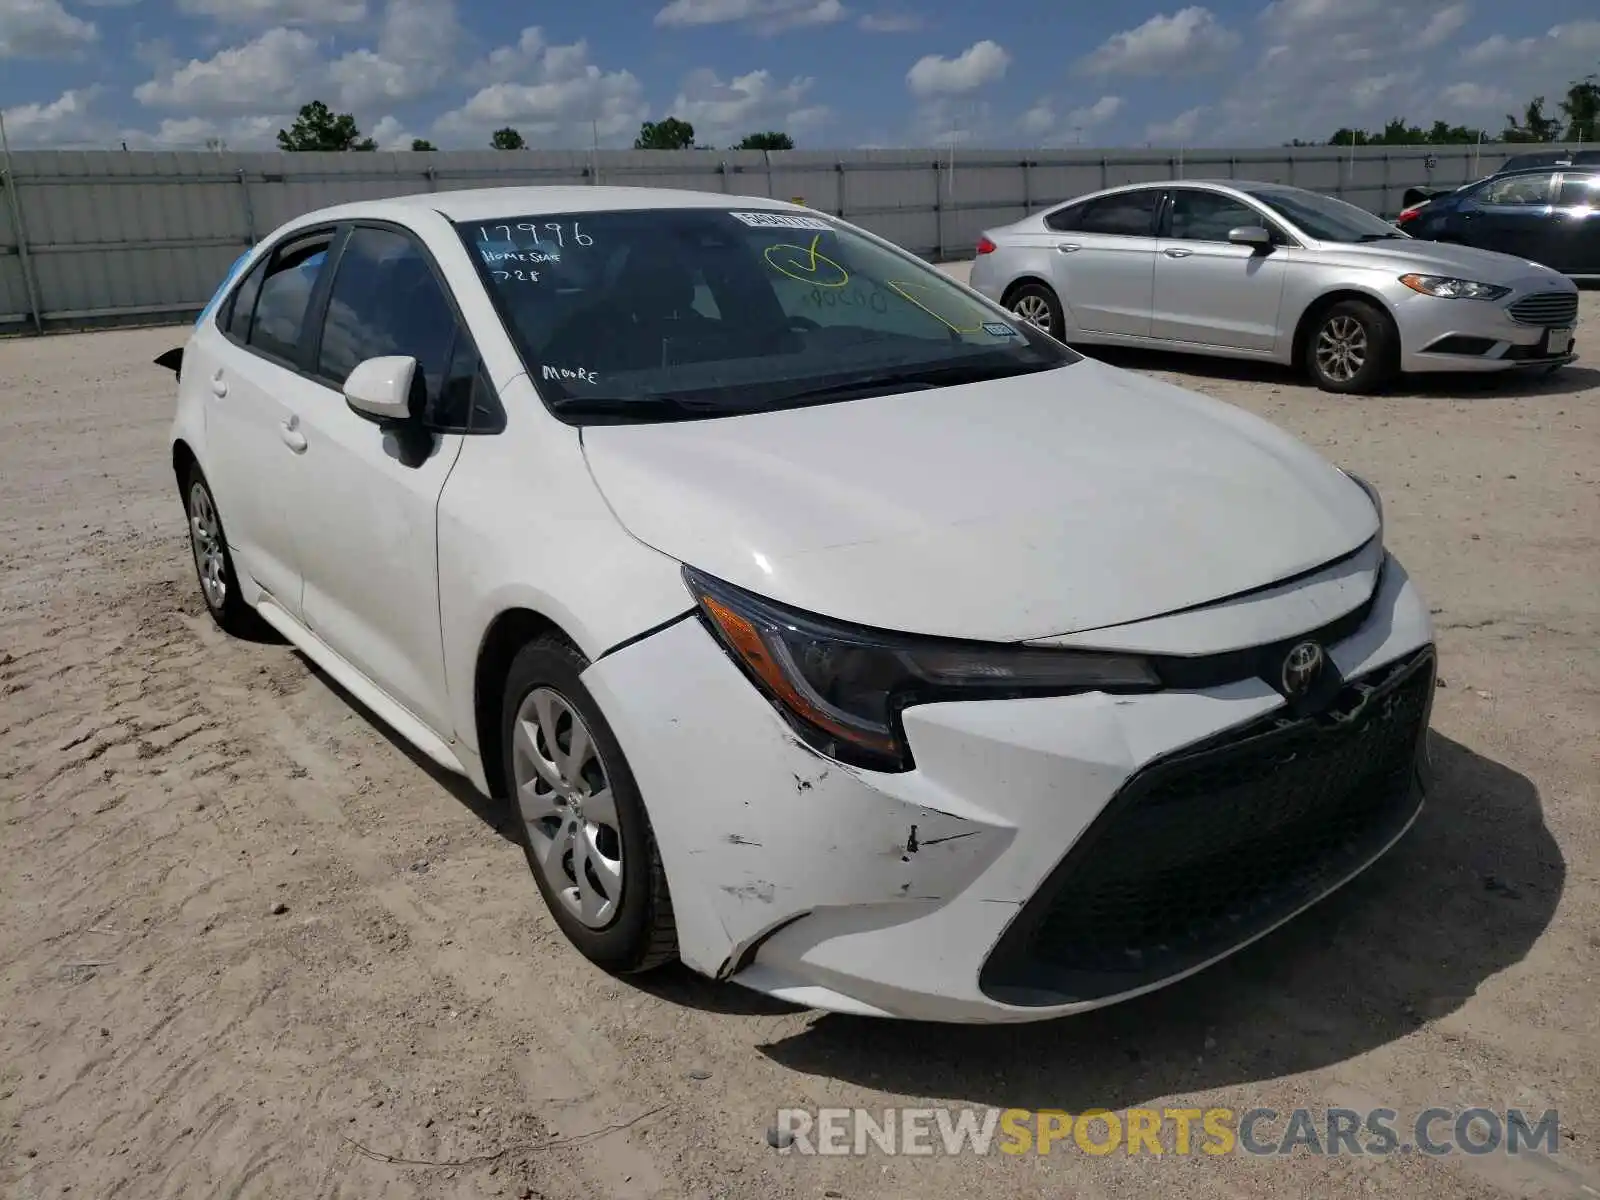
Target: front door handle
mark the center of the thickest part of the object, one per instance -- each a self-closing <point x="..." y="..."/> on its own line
<point x="1175" y="252"/>
<point x="289" y="431"/>
<point x="219" y="385"/>
<point x="1068" y="247"/>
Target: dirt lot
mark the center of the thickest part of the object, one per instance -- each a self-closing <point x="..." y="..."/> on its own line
<point x="249" y="944"/>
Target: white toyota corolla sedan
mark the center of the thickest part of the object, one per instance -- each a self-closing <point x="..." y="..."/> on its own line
<point x="828" y="628"/>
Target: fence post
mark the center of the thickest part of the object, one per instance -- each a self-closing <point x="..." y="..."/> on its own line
<point x="1027" y="189"/>
<point x="843" y="175"/>
<point x="938" y="205"/>
<point x="249" y="209"/>
<point x="8" y="185"/>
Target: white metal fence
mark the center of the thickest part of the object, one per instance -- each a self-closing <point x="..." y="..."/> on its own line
<point x="91" y="238"/>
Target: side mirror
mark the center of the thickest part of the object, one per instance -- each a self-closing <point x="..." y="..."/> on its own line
<point x="380" y="388"/>
<point x="1251" y="235"/>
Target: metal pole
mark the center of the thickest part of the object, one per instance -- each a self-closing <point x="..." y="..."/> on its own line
<point x="249" y="210"/>
<point x="8" y="185"/>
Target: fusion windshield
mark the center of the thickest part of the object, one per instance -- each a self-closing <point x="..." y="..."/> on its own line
<point x="1323" y="217"/>
<point x="663" y="314"/>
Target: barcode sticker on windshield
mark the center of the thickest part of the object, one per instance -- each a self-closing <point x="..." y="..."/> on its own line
<point x="780" y="220"/>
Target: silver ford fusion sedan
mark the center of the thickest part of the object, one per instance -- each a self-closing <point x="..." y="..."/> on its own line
<point x="1266" y="271"/>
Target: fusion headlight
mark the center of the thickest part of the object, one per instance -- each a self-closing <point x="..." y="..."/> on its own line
<point x="1446" y="287"/>
<point x="842" y="687"/>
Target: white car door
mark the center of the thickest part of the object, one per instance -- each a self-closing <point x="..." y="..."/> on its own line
<point x="248" y="373"/>
<point x="1105" y="261"/>
<point x="365" y="507"/>
<point x="1208" y="291"/>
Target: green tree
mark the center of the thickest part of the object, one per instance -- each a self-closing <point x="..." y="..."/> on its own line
<point x="667" y="134"/>
<point x="771" y="140"/>
<point x="422" y="144"/>
<point x="507" y="139"/>
<point x="317" y="128"/>
<point x="1582" y="109"/>
<point x="1534" y="126"/>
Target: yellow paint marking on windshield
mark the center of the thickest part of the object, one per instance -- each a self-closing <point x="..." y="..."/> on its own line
<point x="901" y="287"/>
<point x="807" y="265"/>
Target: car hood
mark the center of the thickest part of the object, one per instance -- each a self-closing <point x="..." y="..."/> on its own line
<point x="1008" y="510"/>
<point x="1448" y="258"/>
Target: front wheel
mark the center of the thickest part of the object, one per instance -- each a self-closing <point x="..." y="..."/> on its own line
<point x="581" y="820"/>
<point x="1351" y="348"/>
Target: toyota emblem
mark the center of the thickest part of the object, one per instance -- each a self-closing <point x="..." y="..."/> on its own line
<point x="1301" y="668"/>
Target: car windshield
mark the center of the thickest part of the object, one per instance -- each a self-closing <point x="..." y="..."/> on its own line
<point x="1323" y="217"/>
<point x="665" y="314"/>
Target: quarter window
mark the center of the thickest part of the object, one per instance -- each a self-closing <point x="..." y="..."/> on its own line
<point x="1518" y="190"/>
<point x="1128" y="214"/>
<point x="1064" y="219"/>
<point x="1209" y="216"/>
<point x="243" y="305"/>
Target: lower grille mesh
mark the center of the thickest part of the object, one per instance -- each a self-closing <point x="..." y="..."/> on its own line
<point x="1203" y="850"/>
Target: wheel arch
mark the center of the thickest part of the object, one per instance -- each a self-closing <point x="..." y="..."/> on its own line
<point x="1314" y="310"/>
<point x="511" y="629"/>
<point x="1022" y="281"/>
<point x="183" y="461"/>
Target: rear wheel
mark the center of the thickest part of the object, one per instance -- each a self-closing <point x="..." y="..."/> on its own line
<point x="1036" y="304"/>
<point x="213" y="565"/>
<point x="581" y="819"/>
<point x="1350" y="348"/>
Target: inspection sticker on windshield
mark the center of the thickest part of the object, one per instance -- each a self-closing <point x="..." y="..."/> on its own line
<point x="779" y="220"/>
<point x="998" y="329"/>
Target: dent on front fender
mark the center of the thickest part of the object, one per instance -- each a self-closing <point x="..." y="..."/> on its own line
<point x="754" y="828"/>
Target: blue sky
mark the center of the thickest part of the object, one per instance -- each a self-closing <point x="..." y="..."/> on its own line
<point x="833" y="73"/>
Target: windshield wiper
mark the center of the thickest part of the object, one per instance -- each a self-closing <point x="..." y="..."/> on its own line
<point x="675" y="407"/>
<point x="883" y="382"/>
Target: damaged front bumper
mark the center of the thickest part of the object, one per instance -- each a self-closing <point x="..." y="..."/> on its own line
<point x="940" y="893"/>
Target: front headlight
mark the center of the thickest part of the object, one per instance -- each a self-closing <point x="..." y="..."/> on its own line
<point x="1446" y="287"/>
<point x="842" y="687"/>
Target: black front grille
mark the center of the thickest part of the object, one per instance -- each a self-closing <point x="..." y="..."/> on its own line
<point x="1203" y="850"/>
<point x="1546" y="308"/>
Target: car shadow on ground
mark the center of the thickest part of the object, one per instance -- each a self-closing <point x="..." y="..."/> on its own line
<point x="1465" y="385"/>
<point x="493" y="813"/>
<point x="1464" y="896"/>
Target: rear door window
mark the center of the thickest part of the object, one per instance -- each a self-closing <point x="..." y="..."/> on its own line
<point x="1518" y="190"/>
<point x="1579" y="191"/>
<point x="1126" y="214"/>
<point x="278" y="326"/>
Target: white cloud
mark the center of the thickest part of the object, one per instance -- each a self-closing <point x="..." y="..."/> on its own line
<point x="762" y="16"/>
<point x="277" y="12"/>
<point x="890" y="22"/>
<point x="41" y="29"/>
<point x="67" y="120"/>
<point x="1561" y="44"/>
<point x="1285" y="18"/>
<point x="979" y="64"/>
<point x="1190" y="40"/>
<point x="1179" y="131"/>
<point x="269" y="72"/>
<point x="551" y="94"/>
<point x="391" y="134"/>
<point x="203" y="133"/>
<point x="1443" y="25"/>
<point x="414" y="55"/>
<point x="1043" y="119"/>
<point x="753" y="103"/>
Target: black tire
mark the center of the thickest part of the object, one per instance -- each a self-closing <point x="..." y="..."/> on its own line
<point x="1364" y="330"/>
<point x="642" y="934"/>
<point x="1037" y="297"/>
<point x="230" y="612"/>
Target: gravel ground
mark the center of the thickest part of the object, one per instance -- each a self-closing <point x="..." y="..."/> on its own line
<point x="252" y="946"/>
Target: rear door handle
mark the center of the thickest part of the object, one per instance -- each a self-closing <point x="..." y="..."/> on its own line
<point x="1068" y="247"/>
<point x="1175" y="252"/>
<point x="219" y="385"/>
<point x="289" y="431"/>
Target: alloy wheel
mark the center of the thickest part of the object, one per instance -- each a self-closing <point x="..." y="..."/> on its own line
<point x="1034" y="310"/>
<point x="205" y="539"/>
<point x="564" y="796"/>
<point x="1341" y="348"/>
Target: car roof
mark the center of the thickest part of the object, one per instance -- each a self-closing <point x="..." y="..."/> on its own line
<point x="482" y="204"/>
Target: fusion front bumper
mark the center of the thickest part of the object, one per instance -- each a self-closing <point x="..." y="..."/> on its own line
<point x="1529" y="329"/>
<point x="1046" y="856"/>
